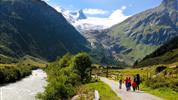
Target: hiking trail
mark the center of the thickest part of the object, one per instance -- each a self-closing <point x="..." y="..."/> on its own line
<point x="128" y="95"/>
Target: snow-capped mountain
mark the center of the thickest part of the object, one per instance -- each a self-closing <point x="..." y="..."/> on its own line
<point x="79" y="15"/>
<point x="95" y="31"/>
<point x="71" y="17"/>
<point x="79" y="20"/>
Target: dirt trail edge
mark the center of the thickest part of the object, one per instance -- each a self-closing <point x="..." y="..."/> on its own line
<point x="124" y="95"/>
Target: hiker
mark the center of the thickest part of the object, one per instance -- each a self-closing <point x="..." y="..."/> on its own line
<point x="126" y="83"/>
<point x="120" y="84"/>
<point x="137" y="80"/>
<point x="129" y="83"/>
<point x="134" y="85"/>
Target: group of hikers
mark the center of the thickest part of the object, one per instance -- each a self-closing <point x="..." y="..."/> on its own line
<point x="129" y="83"/>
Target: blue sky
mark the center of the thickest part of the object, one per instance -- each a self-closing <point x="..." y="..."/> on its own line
<point x="132" y="6"/>
<point x="104" y="12"/>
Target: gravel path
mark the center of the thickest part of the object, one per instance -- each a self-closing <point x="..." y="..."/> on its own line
<point x="25" y="89"/>
<point x="124" y="95"/>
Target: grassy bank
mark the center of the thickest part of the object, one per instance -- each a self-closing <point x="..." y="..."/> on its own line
<point x="105" y="91"/>
<point x="10" y="73"/>
<point x="165" y="93"/>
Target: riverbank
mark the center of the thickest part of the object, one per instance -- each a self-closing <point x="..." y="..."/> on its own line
<point x="26" y="88"/>
<point x="12" y="72"/>
<point x="9" y="73"/>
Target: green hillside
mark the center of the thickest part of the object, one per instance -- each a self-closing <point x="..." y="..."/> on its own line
<point x="166" y="54"/>
<point x="31" y="27"/>
<point x="143" y="33"/>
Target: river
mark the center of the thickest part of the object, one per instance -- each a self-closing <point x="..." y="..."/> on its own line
<point x="25" y="89"/>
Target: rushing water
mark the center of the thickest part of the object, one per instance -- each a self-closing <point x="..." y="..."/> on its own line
<point x="25" y="89"/>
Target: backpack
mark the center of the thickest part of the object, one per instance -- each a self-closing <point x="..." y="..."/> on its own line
<point x="129" y="83"/>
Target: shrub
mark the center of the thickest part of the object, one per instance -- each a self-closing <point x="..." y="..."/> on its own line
<point x="82" y="64"/>
<point x="174" y="85"/>
<point x="157" y="82"/>
<point x="160" y="82"/>
<point x="65" y="61"/>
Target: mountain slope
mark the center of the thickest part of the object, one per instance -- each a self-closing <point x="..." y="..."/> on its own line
<point x="32" y="27"/>
<point x="166" y="54"/>
<point x="143" y="33"/>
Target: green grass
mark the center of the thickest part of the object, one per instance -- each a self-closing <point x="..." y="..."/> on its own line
<point x="105" y="91"/>
<point x="165" y="93"/>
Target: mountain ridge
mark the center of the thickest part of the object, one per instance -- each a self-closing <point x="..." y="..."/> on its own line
<point x="139" y="35"/>
<point x="144" y="32"/>
<point x="40" y="31"/>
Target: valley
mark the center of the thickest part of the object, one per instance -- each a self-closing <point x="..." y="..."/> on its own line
<point x="134" y="38"/>
<point x="48" y="52"/>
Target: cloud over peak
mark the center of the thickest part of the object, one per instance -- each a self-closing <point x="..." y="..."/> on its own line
<point x="115" y="17"/>
<point x="92" y="11"/>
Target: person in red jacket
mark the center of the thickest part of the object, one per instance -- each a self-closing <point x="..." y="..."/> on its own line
<point x="134" y="85"/>
<point x="129" y="83"/>
<point x="126" y="83"/>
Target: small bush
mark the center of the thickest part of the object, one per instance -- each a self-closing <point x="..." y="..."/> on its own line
<point x="82" y="64"/>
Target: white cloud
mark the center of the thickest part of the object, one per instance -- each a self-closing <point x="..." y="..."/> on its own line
<point x="116" y="17"/>
<point x="124" y="7"/>
<point x="91" y="11"/>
